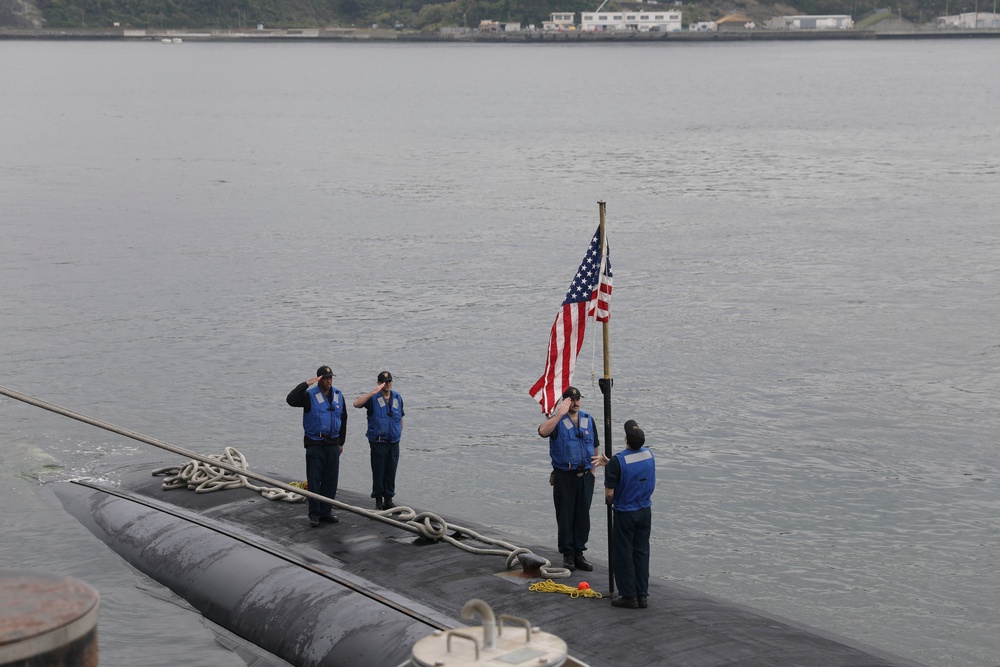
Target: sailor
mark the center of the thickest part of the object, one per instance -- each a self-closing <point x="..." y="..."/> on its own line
<point x="385" y="426"/>
<point x="325" y="423"/>
<point x="573" y="442"/>
<point x="629" y="480"/>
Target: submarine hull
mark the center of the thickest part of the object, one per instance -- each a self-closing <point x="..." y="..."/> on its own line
<point x="362" y="592"/>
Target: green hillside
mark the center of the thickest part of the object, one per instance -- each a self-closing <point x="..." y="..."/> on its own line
<point x="426" y="15"/>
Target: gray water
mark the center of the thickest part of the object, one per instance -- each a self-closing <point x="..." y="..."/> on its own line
<point x="805" y="318"/>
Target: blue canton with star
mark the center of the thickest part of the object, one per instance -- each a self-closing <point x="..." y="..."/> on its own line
<point x="587" y="275"/>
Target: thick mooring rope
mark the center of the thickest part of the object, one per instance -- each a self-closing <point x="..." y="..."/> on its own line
<point x="203" y="477"/>
<point x="425" y="524"/>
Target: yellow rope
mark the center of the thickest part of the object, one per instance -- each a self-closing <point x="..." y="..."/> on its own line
<point x="549" y="586"/>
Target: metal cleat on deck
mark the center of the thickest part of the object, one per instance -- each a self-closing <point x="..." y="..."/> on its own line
<point x="487" y="644"/>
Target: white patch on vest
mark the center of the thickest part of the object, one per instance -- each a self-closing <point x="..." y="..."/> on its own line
<point x="567" y="422"/>
<point x="320" y="398"/>
<point x="381" y="401"/>
<point x="638" y="456"/>
<point x="395" y="403"/>
<point x="584" y="423"/>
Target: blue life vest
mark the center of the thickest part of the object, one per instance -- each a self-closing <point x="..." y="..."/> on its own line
<point x="385" y="424"/>
<point x="571" y="446"/>
<point x="323" y="419"/>
<point x="638" y="478"/>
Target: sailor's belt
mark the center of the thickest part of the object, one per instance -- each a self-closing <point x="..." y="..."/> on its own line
<point x="580" y="472"/>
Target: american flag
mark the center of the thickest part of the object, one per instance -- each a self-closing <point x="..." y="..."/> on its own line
<point x="588" y="295"/>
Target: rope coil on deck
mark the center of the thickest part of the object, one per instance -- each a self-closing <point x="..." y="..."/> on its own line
<point x="549" y="586"/>
<point x="202" y="477"/>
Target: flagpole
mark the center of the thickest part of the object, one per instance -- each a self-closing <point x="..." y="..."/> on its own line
<point x="605" y="384"/>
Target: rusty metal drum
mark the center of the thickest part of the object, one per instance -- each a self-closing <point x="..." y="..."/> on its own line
<point x="47" y="619"/>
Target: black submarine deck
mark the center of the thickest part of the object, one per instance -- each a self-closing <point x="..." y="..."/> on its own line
<point x="413" y="585"/>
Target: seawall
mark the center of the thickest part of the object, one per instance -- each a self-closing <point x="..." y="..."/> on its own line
<point x="286" y="35"/>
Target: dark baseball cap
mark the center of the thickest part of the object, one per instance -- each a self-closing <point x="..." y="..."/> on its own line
<point x="633" y="434"/>
<point x="572" y="392"/>
<point x="324" y="372"/>
<point x="384" y="376"/>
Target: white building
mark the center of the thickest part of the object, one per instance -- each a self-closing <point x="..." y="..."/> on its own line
<point x="812" y="22"/>
<point x="658" y="21"/>
<point x="703" y="26"/>
<point x="498" y="26"/>
<point x="970" y="20"/>
<point x="560" y="21"/>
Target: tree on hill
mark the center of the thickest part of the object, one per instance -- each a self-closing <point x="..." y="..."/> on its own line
<point x="19" y="14"/>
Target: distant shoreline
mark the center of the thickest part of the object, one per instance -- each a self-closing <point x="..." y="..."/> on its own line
<point x="286" y="35"/>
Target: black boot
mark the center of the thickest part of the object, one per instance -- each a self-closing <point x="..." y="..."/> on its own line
<point x="569" y="562"/>
<point x="378" y="503"/>
<point x="626" y="602"/>
<point x="387" y="503"/>
<point x="582" y="563"/>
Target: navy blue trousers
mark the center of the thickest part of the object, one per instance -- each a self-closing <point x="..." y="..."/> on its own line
<point x="630" y="551"/>
<point x="385" y="460"/>
<point x="322" y="473"/>
<point x="572" y="496"/>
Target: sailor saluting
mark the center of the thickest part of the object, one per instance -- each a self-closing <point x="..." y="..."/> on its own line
<point x="573" y="442"/>
<point x="385" y="428"/>
<point x="325" y="423"/>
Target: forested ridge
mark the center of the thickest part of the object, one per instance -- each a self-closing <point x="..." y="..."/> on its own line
<point x="426" y="15"/>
